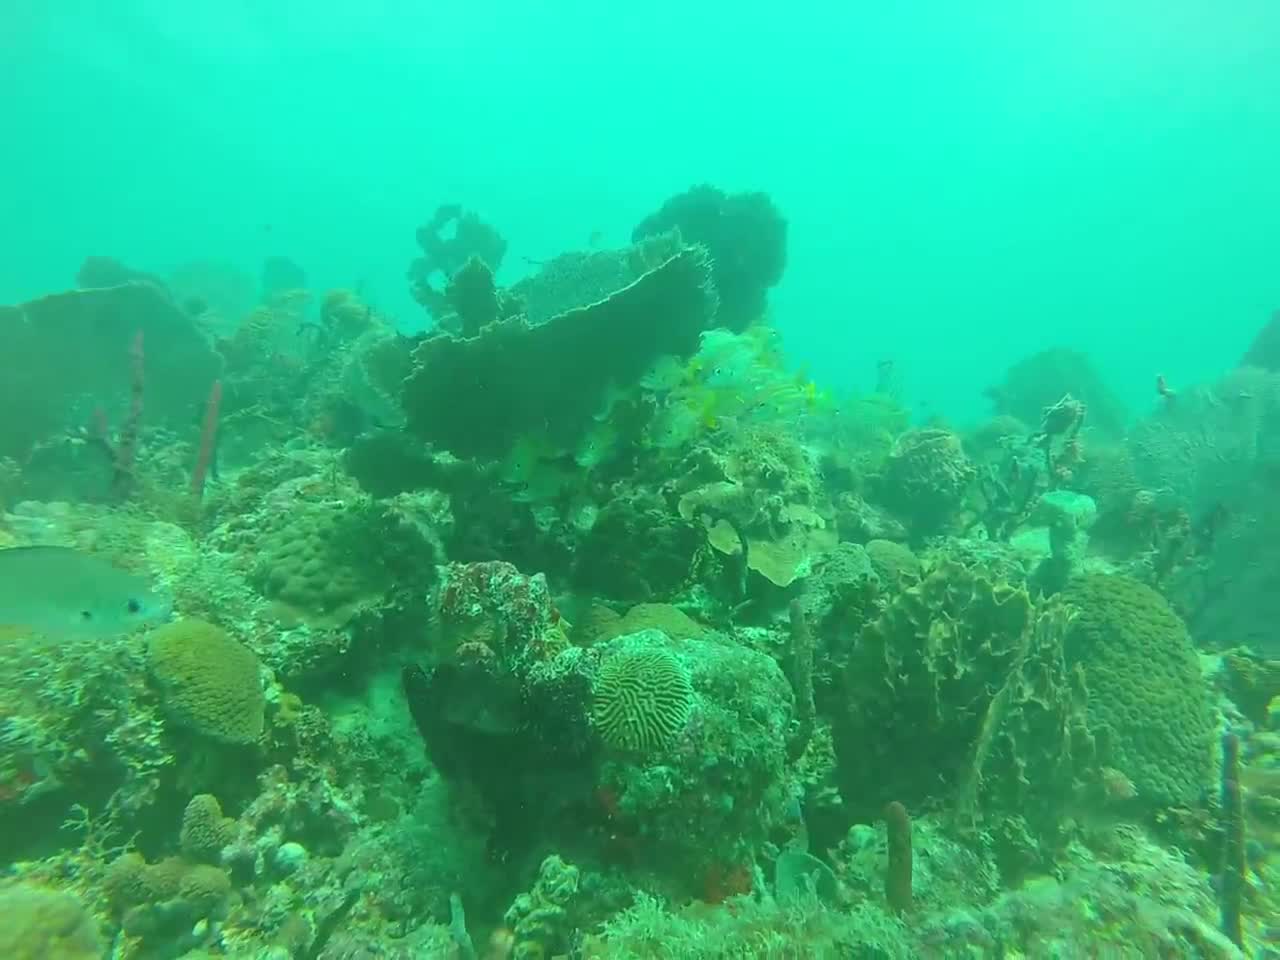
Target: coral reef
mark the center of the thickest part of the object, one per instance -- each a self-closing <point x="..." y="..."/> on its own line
<point x="587" y="625"/>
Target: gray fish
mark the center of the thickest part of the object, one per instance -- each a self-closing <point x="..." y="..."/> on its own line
<point x="59" y="591"/>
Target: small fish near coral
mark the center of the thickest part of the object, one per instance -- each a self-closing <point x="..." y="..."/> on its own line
<point x="63" y="592"/>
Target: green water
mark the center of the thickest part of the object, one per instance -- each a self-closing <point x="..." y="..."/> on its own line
<point x="589" y="622"/>
<point x="964" y="182"/>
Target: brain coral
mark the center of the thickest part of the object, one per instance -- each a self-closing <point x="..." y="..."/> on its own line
<point x="209" y="681"/>
<point x="643" y="698"/>
<point x="1148" y="704"/>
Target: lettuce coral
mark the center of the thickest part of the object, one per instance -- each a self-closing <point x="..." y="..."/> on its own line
<point x="919" y="685"/>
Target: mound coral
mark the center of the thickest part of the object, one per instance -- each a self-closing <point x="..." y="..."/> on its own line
<point x="205" y="831"/>
<point x="42" y="924"/>
<point x="642" y="699"/>
<point x="161" y="901"/>
<point x="706" y="800"/>
<point x="209" y="682"/>
<point x="1149" y="705"/>
<point x="321" y="562"/>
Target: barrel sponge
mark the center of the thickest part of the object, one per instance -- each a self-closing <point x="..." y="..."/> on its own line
<point x="1148" y="704"/>
<point x="209" y="682"/>
<point x="919" y="683"/>
<point x="41" y="923"/>
<point x="926" y="478"/>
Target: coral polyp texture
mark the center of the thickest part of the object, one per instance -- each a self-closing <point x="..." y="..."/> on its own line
<point x="1148" y="706"/>
<point x="642" y="699"/>
<point x="209" y="682"/>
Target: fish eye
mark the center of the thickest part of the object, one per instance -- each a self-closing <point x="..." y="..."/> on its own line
<point x="134" y="606"/>
<point x="86" y="615"/>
